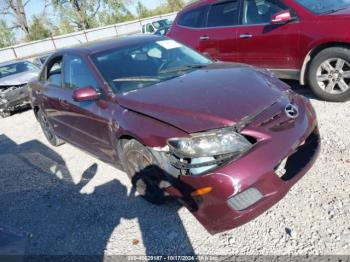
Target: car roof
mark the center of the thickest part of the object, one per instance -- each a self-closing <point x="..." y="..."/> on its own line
<point x="96" y="47"/>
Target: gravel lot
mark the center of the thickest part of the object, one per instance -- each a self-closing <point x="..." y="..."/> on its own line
<point x="71" y="203"/>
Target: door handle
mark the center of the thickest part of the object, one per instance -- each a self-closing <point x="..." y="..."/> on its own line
<point x="243" y="36"/>
<point x="204" y="38"/>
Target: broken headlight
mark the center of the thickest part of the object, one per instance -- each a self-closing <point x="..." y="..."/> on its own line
<point x="203" y="151"/>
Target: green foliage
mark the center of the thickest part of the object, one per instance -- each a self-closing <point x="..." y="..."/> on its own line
<point x="142" y="10"/>
<point x="114" y="12"/>
<point x="37" y="30"/>
<point x="79" y="13"/>
<point x="76" y="15"/>
<point x="6" y="35"/>
<point x="64" y="28"/>
<point x="169" y="6"/>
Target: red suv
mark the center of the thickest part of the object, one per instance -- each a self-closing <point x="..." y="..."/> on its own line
<point x="306" y="40"/>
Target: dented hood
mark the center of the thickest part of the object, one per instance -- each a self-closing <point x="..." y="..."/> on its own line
<point x="18" y="79"/>
<point x="219" y="95"/>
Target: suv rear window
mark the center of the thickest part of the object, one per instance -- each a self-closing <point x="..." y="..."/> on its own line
<point x="223" y="14"/>
<point x="193" y="18"/>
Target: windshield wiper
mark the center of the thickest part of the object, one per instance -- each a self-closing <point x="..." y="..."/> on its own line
<point x="332" y="11"/>
<point x="137" y="79"/>
<point x="182" y="68"/>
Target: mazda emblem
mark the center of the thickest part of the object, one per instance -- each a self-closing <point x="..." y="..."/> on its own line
<point x="292" y="111"/>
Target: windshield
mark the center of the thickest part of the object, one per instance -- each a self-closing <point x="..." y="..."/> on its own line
<point x="324" y="6"/>
<point x="16" y="68"/>
<point x="138" y="66"/>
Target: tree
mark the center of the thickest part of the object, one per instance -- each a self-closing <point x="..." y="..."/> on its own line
<point x="6" y="35"/>
<point x="142" y="11"/>
<point x="115" y="11"/>
<point x="80" y="13"/>
<point x="64" y="28"/>
<point x="175" y="5"/>
<point x="15" y="8"/>
<point x="37" y="30"/>
<point x="169" y="6"/>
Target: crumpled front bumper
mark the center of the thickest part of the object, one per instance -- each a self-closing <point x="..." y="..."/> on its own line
<point x="14" y="98"/>
<point x="255" y="175"/>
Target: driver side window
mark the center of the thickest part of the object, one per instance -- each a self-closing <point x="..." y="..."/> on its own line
<point x="77" y="74"/>
<point x="261" y="11"/>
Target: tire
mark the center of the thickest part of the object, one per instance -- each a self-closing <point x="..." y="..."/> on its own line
<point x="5" y="114"/>
<point x="329" y="74"/>
<point x="48" y="130"/>
<point x="144" y="172"/>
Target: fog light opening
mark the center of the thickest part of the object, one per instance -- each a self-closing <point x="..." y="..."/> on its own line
<point x="245" y="199"/>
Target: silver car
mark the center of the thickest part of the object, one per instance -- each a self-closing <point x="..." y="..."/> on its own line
<point x="14" y="77"/>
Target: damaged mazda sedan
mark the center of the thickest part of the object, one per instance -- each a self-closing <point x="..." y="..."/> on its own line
<point x="228" y="141"/>
<point x="14" y="77"/>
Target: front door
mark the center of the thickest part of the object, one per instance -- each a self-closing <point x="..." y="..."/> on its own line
<point x="87" y="122"/>
<point x="263" y="44"/>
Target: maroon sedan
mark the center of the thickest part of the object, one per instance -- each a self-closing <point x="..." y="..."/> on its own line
<point x="226" y="140"/>
<point x="306" y="40"/>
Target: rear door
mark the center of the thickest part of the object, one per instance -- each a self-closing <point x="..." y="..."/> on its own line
<point x="219" y="39"/>
<point x="263" y="44"/>
<point x="189" y="27"/>
<point x="50" y="95"/>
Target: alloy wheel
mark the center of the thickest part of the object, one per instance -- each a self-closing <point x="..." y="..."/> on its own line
<point x="140" y="168"/>
<point x="333" y="76"/>
<point x="46" y="127"/>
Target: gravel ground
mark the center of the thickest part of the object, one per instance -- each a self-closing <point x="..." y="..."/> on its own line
<point x="71" y="203"/>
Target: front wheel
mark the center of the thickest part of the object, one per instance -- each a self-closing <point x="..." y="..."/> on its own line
<point x="48" y="130"/>
<point x="144" y="172"/>
<point x="329" y="74"/>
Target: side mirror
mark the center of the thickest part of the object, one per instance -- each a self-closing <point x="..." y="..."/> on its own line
<point x="85" y="94"/>
<point x="282" y="17"/>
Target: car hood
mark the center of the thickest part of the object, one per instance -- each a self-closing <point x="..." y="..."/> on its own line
<point x="219" y="95"/>
<point x="18" y="79"/>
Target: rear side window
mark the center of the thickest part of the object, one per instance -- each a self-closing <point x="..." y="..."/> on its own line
<point x="193" y="18"/>
<point x="54" y="72"/>
<point x="223" y="14"/>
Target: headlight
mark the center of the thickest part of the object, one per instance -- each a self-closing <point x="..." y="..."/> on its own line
<point x="210" y="144"/>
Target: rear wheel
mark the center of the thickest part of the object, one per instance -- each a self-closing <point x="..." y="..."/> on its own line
<point x="48" y="130"/>
<point x="144" y="172"/>
<point x="329" y="74"/>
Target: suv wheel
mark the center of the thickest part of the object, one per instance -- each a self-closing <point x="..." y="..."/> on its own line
<point x="48" y="130"/>
<point x="142" y="168"/>
<point x="329" y="74"/>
